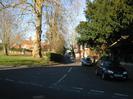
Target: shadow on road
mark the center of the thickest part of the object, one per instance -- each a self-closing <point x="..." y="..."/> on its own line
<point x="45" y="82"/>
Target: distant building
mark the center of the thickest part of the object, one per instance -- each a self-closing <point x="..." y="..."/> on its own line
<point x="22" y="44"/>
<point x="27" y="44"/>
<point x="81" y="52"/>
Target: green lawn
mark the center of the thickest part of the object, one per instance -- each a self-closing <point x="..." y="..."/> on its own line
<point x="21" y="60"/>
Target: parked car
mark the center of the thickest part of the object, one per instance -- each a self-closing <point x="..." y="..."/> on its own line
<point x="86" y="61"/>
<point x="69" y="57"/>
<point x="108" y="69"/>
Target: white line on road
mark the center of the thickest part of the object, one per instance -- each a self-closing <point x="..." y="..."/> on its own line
<point x="94" y="93"/>
<point x="10" y="80"/>
<point x="69" y="70"/>
<point x="62" y="78"/>
<point x="35" y="84"/>
<point x="29" y="83"/>
<point x="22" y="82"/>
<point x="38" y="97"/>
<point x="121" y="95"/>
<point x="74" y="90"/>
<point x="78" y="88"/>
<point x="97" y="91"/>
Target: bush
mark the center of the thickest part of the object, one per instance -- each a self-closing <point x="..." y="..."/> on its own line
<point x="56" y="57"/>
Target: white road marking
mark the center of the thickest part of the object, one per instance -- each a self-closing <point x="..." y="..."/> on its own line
<point x="38" y="97"/>
<point x="62" y="78"/>
<point x="97" y="91"/>
<point x="29" y="83"/>
<point x="74" y="90"/>
<point x="78" y="88"/>
<point x="121" y="95"/>
<point x="22" y="82"/>
<point x="70" y="89"/>
<point x="35" y="84"/>
<point x="94" y="93"/>
<point x="10" y="80"/>
<point x="89" y="93"/>
<point x="69" y="70"/>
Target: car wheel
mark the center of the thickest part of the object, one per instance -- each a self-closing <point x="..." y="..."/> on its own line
<point x="125" y="79"/>
<point x="103" y="76"/>
<point x="96" y="72"/>
<point x="82" y="64"/>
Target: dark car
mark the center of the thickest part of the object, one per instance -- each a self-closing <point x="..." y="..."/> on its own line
<point x="111" y="69"/>
<point x="86" y="61"/>
<point x="69" y="57"/>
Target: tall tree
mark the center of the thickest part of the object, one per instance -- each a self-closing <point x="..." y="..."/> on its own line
<point x="55" y="22"/>
<point x="6" y="27"/>
<point x="36" y="7"/>
<point x="107" y="21"/>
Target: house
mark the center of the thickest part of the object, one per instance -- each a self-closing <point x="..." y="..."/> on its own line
<point x="27" y="44"/>
<point x="81" y="52"/>
<point x="22" y="46"/>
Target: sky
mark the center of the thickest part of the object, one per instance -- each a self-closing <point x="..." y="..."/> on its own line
<point x="77" y="16"/>
<point x="75" y="11"/>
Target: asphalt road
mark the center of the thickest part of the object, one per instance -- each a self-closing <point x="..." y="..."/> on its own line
<point x="61" y="82"/>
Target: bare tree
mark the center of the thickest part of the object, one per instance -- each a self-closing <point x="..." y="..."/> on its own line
<point x="56" y="23"/>
<point x="36" y="7"/>
<point x="73" y="10"/>
<point x="55" y="33"/>
<point x="6" y="25"/>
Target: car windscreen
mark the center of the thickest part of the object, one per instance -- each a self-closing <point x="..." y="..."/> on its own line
<point x="106" y="63"/>
<point x="88" y="59"/>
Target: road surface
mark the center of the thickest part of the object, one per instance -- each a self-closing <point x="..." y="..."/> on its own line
<point x="61" y="82"/>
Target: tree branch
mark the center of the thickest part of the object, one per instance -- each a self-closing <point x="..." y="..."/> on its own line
<point x="13" y="5"/>
<point x="2" y="4"/>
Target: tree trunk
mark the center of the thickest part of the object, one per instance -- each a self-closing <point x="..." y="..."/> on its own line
<point x="5" y="49"/>
<point x="37" y="43"/>
<point x="79" y="51"/>
<point x="83" y="47"/>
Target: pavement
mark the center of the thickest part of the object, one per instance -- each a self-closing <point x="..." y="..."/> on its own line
<point x="4" y="67"/>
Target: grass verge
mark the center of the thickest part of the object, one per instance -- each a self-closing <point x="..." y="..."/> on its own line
<point x="22" y="60"/>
